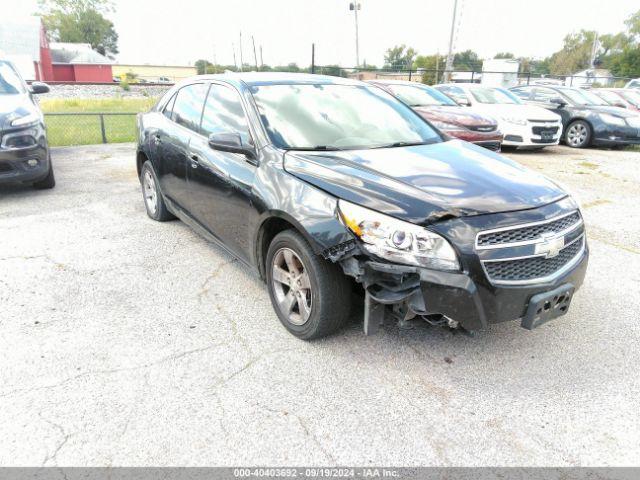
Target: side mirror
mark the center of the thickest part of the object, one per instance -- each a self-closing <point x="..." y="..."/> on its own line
<point x="463" y="102"/>
<point x="39" y="87"/>
<point x="231" y="142"/>
<point x="619" y="104"/>
<point x="558" y="101"/>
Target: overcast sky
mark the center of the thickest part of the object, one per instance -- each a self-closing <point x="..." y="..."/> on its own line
<point x="181" y="31"/>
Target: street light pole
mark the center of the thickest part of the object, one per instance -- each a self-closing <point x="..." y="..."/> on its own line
<point x="449" y="65"/>
<point x="355" y="6"/>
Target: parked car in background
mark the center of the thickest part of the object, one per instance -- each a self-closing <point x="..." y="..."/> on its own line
<point x="620" y="97"/>
<point x="318" y="182"/>
<point x="522" y="125"/>
<point x="24" y="151"/>
<point x="164" y="80"/>
<point x="445" y="114"/>
<point x="635" y="83"/>
<point x="587" y="118"/>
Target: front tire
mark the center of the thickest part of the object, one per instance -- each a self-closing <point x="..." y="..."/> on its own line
<point x="47" y="182"/>
<point x="153" y="199"/>
<point x="311" y="296"/>
<point x="578" y="134"/>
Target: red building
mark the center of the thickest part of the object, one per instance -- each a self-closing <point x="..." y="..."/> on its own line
<point x="24" y="41"/>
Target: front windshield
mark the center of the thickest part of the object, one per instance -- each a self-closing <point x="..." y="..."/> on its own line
<point x="582" y="97"/>
<point x="10" y="83"/>
<point x="419" y="96"/>
<point x="338" y="117"/>
<point x="494" y="95"/>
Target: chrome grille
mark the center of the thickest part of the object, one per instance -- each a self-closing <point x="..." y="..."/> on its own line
<point x="528" y="233"/>
<point x="532" y="268"/>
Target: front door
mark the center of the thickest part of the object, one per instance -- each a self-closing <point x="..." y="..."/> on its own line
<point x="220" y="183"/>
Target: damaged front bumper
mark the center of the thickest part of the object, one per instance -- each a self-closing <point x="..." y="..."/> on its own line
<point x="478" y="294"/>
<point x="453" y="297"/>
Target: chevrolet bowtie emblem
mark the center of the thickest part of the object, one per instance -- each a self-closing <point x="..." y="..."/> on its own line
<point x="550" y="246"/>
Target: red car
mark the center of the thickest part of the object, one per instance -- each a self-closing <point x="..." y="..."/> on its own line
<point x="620" y="97"/>
<point x="444" y="113"/>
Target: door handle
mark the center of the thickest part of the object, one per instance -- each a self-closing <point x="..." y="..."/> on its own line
<point x="156" y="139"/>
<point x="195" y="161"/>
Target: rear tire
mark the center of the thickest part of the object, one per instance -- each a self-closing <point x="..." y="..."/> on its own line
<point x="578" y="134"/>
<point x="153" y="199"/>
<point x="47" y="182"/>
<point x="311" y="296"/>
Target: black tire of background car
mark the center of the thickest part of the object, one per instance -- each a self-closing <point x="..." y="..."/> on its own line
<point x="47" y="182"/>
<point x="587" y="141"/>
<point x="161" y="214"/>
<point x="330" y="289"/>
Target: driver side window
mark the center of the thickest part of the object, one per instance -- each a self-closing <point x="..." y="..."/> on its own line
<point x="223" y="113"/>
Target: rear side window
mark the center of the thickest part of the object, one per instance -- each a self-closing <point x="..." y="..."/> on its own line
<point x="223" y="113"/>
<point x="187" y="108"/>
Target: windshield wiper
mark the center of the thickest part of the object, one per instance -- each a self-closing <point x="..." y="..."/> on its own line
<point x="324" y="148"/>
<point x="401" y="144"/>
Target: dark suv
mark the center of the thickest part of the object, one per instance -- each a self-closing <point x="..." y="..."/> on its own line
<point x="24" y="152"/>
<point x="318" y="181"/>
<point x="587" y="119"/>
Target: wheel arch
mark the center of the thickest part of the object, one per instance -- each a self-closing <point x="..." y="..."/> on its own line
<point x="275" y="222"/>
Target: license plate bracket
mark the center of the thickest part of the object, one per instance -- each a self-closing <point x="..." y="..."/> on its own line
<point x="546" y="306"/>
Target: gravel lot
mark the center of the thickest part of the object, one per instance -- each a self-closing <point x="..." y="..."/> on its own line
<point x="129" y="342"/>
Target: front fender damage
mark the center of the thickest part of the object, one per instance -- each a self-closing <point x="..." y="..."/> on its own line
<point x="384" y="284"/>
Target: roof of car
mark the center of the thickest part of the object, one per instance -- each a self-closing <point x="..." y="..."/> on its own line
<point x="278" y="78"/>
<point x="396" y="82"/>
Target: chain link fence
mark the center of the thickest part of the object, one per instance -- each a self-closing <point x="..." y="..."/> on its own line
<point x="65" y="129"/>
<point x="435" y="76"/>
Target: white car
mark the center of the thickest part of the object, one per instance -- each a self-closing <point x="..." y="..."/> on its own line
<point x="635" y="83"/>
<point x="525" y="126"/>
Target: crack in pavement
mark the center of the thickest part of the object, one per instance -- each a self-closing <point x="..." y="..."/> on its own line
<point x="114" y="370"/>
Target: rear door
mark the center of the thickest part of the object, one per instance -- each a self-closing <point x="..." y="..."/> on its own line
<point x="221" y="182"/>
<point x="172" y="142"/>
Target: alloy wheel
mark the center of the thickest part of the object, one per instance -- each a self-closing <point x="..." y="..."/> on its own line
<point x="291" y="286"/>
<point x="150" y="192"/>
<point x="577" y="135"/>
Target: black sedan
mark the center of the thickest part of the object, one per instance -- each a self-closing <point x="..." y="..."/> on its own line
<point x="24" y="152"/>
<point x="587" y="119"/>
<point x="323" y="184"/>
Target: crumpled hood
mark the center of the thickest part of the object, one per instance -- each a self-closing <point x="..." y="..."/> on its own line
<point x="456" y="115"/>
<point x="424" y="183"/>
<point x="19" y="103"/>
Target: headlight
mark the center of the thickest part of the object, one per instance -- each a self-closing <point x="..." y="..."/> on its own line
<point x="27" y="120"/>
<point x="612" y="119"/>
<point x="398" y="241"/>
<point x="515" y="120"/>
<point x="445" y="126"/>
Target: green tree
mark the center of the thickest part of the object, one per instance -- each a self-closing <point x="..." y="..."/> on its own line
<point x="80" y="21"/>
<point x="467" y="61"/>
<point x="399" y="57"/>
<point x="431" y="64"/>
<point x="575" y="54"/>
<point x="504" y="55"/>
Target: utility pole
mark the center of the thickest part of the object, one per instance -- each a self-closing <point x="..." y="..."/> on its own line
<point x="449" y="65"/>
<point x="355" y="6"/>
<point x="594" y="51"/>
<point x="255" y="57"/>
<point x="233" y="47"/>
<point x="241" y="61"/>
<point x="261" y="62"/>
<point x="313" y="58"/>
<point x="437" y="66"/>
